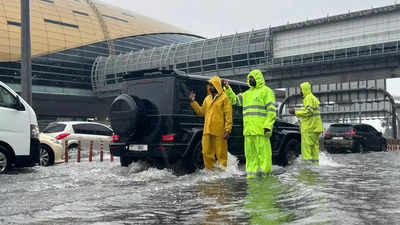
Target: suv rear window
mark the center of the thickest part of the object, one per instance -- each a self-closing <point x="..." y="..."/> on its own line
<point x="54" y="128"/>
<point x="339" y="128"/>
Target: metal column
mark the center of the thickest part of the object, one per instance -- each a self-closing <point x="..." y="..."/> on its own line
<point x="26" y="61"/>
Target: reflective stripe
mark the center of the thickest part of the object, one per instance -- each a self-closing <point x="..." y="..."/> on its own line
<point x="254" y="114"/>
<point x="310" y="107"/>
<point x="316" y="114"/>
<point x="271" y="103"/>
<point x="271" y="110"/>
<point x="240" y="99"/>
<point x="253" y="107"/>
<point x="265" y="174"/>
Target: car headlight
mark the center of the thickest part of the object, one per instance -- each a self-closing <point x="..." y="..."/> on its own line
<point x="34" y="131"/>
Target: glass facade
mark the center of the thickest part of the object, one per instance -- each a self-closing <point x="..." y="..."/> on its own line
<point x="72" y="68"/>
<point x="67" y="36"/>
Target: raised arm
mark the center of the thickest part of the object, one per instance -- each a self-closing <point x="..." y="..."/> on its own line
<point x="232" y="97"/>
<point x="199" y="110"/>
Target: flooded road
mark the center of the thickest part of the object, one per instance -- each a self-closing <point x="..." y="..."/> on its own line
<point x="343" y="189"/>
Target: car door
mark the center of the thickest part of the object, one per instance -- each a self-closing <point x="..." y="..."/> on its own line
<point x="367" y="136"/>
<point x="14" y="124"/>
<point x="103" y="134"/>
<point x="375" y="137"/>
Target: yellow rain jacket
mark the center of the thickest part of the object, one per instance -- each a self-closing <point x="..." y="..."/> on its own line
<point x="217" y="112"/>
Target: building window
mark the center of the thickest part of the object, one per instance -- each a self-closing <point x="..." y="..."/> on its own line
<point x="80" y="13"/>
<point x="61" y="23"/>
<point x="126" y="14"/>
<point x="116" y="18"/>
<point x="13" y="23"/>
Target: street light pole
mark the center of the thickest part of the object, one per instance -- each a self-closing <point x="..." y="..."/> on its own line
<point x="26" y="61"/>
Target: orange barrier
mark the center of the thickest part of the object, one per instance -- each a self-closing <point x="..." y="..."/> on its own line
<point x="393" y="145"/>
<point x="79" y="152"/>
<point x="66" y="151"/>
<point x="101" y="150"/>
<point x="91" y="150"/>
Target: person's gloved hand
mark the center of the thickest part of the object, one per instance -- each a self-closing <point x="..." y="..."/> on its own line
<point x="266" y="130"/>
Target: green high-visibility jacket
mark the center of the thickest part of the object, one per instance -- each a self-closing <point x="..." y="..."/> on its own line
<point x="259" y="107"/>
<point x="310" y="114"/>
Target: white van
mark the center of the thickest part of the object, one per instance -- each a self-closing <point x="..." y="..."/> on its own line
<point x="19" y="131"/>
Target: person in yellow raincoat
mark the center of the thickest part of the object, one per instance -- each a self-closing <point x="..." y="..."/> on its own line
<point x="217" y="112"/>
<point x="259" y="114"/>
<point x="310" y="124"/>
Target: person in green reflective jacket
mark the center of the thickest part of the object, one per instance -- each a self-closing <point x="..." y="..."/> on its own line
<point x="259" y="113"/>
<point x="310" y="124"/>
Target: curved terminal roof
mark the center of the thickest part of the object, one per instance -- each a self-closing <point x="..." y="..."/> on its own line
<point x="58" y="25"/>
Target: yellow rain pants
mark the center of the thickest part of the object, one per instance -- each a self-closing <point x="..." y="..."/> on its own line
<point x="214" y="146"/>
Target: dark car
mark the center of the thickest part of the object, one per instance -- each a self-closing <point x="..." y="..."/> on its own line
<point x="353" y="138"/>
<point x="153" y="121"/>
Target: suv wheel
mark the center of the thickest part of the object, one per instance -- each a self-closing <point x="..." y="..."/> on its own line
<point x="290" y="152"/>
<point x="197" y="157"/>
<point x="46" y="156"/>
<point x="5" y="160"/>
<point x="361" y="148"/>
<point x="125" y="161"/>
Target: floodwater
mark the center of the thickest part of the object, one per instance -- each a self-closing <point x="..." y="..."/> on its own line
<point x="343" y="189"/>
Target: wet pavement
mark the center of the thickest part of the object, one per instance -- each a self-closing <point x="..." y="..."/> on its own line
<point x="343" y="189"/>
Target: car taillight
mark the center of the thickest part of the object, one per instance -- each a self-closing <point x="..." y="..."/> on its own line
<point x="350" y="133"/>
<point x="115" y="138"/>
<point x="62" y="136"/>
<point x="326" y="133"/>
<point x="168" y="138"/>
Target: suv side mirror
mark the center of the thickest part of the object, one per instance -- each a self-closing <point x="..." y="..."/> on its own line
<point x="18" y="104"/>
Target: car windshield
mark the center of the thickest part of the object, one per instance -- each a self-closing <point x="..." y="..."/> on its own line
<point x="54" y="127"/>
<point x="339" y="128"/>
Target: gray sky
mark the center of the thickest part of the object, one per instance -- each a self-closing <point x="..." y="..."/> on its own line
<point x="211" y="18"/>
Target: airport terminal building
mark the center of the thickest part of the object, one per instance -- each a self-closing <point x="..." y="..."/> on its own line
<point x="66" y="37"/>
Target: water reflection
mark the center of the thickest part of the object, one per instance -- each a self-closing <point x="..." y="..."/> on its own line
<point x="261" y="202"/>
<point x="309" y="177"/>
<point x="222" y="200"/>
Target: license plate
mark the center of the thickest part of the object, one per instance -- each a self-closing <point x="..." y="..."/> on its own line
<point x="337" y="138"/>
<point x="139" y="148"/>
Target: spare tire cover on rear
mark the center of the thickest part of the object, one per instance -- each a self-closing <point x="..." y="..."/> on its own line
<point x="124" y="115"/>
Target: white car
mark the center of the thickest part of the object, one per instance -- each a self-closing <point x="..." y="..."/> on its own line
<point x="85" y="132"/>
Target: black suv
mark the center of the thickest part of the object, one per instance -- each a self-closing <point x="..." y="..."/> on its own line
<point x="354" y="138"/>
<point x="153" y="121"/>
